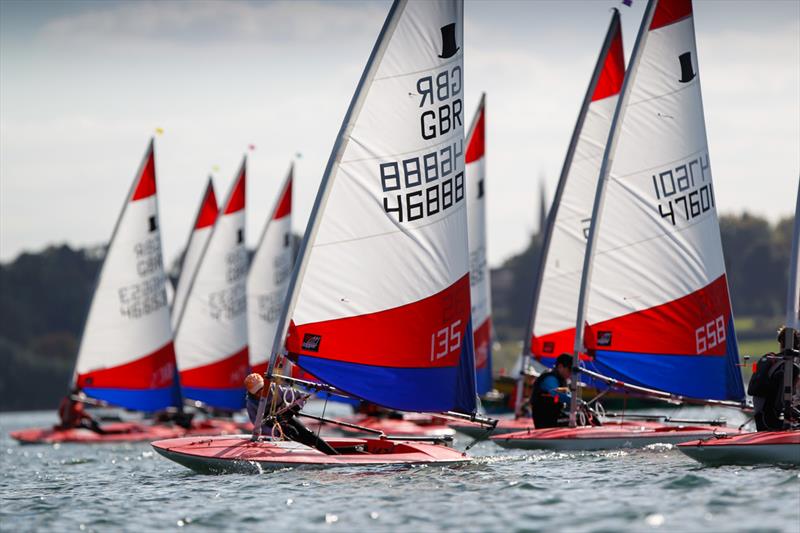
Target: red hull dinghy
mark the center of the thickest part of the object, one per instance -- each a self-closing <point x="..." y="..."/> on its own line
<point x="241" y="454"/>
<point x="116" y="432"/>
<point x="630" y="318"/>
<point x="603" y="437"/>
<point x="475" y="430"/>
<point x="353" y="316"/>
<point x="768" y="447"/>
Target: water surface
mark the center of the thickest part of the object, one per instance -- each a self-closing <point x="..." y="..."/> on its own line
<point x="130" y="487"/>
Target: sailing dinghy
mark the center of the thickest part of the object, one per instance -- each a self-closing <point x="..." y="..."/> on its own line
<point x="653" y="311"/>
<point x="378" y="305"/>
<point x="126" y="356"/>
<point x="766" y="447"/>
<point x="555" y="300"/>
<point x="211" y="327"/>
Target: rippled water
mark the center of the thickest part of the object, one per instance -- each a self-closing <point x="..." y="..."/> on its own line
<point x="110" y="487"/>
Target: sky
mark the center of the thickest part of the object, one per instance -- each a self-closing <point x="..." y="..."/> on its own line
<point x="84" y="84"/>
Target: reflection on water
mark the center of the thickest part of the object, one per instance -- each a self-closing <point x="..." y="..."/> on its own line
<point x="127" y="486"/>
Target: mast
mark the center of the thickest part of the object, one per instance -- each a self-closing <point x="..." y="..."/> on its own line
<point x="614" y="27"/>
<point x="324" y="192"/>
<point x="792" y="320"/>
<point x="597" y="209"/>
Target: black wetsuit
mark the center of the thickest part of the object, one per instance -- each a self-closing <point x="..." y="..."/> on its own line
<point x="546" y="407"/>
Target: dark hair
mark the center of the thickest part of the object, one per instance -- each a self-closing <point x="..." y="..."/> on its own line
<point x="782" y="337"/>
<point x="564" y="359"/>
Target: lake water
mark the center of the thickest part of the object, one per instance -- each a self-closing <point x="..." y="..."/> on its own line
<point x="129" y="487"/>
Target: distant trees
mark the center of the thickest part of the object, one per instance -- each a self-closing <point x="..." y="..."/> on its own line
<point x="44" y="298"/>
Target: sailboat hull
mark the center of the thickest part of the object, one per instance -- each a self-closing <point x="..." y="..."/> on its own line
<point x="117" y="432"/>
<point x="604" y="437"/>
<point x="217" y="455"/>
<point x="504" y="426"/>
<point x="773" y="447"/>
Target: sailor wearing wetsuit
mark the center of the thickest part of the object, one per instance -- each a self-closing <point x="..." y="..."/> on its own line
<point x="292" y="428"/>
<point x="550" y="398"/>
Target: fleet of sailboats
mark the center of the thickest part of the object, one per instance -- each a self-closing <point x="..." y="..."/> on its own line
<point x="387" y="300"/>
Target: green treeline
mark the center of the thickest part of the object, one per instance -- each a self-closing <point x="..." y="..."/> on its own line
<point x="44" y="298"/>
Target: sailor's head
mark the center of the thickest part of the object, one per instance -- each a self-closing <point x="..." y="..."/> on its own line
<point x="564" y="365"/>
<point x="254" y="383"/>
<point x="782" y="337"/>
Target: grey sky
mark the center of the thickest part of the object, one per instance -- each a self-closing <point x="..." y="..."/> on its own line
<point x="84" y="84"/>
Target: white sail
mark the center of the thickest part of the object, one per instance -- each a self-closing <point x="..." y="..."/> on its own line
<point x="556" y="300"/>
<point x="380" y="302"/>
<point x="126" y="356"/>
<point x="655" y="294"/>
<point x="269" y="276"/>
<point x="211" y="334"/>
<point x="480" y="286"/>
<point x="198" y="237"/>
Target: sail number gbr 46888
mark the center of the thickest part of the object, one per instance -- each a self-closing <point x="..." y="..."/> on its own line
<point x="424" y="184"/>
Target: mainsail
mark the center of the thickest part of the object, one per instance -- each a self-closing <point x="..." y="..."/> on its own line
<point x="198" y="237"/>
<point x="126" y="356"/>
<point x="211" y="331"/>
<point x="380" y="300"/>
<point x="555" y="300"/>
<point x="793" y="293"/>
<point x="654" y="294"/>
<point x="480" y="289"/>
<point x="269" y="276"/>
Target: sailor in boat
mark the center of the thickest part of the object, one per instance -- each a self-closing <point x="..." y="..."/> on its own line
<point x="766" y="387"/>
<point x="73" y="415"/>
<point x="286" y="420"/>
<point x="550" y="398"/>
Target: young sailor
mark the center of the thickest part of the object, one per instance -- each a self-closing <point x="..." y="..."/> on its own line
<point x="766" y="386"/>
<point x="72" y="414"/>
<point x="291" y="428"/>
<point x="550" y="396"/>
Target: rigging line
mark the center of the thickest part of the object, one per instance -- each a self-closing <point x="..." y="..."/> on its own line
<point x="324" y="407"/>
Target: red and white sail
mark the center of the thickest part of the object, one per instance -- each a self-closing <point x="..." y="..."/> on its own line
<point x="480" y="287"/>
<point x="556" y="301"/>
<point x="268" y="279"/>
<point x="657" y="307"/>
<point x="201" y="231"/>
<point x="381" y="303"/>
<point x="211" y="334"/>
<point x="126" y="356"/>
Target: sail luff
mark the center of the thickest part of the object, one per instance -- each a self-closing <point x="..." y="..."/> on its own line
<point x="289" y="177"/>
<point x="324" y="191"/>
<point x="619" y="113"/>
<point x="613" y="29"/>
